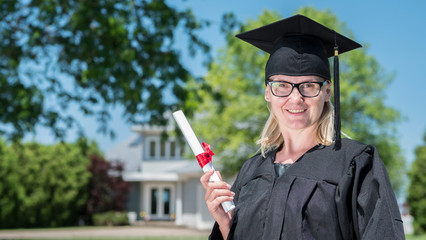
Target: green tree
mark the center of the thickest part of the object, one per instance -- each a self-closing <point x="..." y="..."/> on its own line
<point x="417" y="191"/>
<point x="233" y="110"/>
<point x="91" y="55"/>
<point x="43" y="186"/>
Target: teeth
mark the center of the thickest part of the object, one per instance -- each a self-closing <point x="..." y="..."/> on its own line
<point x="296" y="111"/>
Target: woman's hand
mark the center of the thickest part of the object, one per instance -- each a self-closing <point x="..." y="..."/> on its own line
<point x="217" y="193"/>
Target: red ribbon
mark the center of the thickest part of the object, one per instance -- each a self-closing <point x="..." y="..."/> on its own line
<point x="206" y="156"/>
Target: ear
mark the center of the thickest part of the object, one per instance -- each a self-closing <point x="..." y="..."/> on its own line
<point x="267" y="94"/>
<point x="327" y="87"/>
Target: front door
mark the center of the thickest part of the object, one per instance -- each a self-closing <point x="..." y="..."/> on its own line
<point x="160" y="204"/>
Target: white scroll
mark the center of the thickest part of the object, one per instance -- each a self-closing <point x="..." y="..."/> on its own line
<point x="196" y="147"/>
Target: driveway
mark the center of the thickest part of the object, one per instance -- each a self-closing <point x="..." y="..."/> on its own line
<point x="137" y="230"/>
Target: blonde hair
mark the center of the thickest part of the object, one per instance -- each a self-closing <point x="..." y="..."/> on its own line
<point x="271" y="137"/>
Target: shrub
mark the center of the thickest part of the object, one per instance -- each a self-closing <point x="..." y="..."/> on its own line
<point x="110" y="218"/>
<point x="42" y="186"/>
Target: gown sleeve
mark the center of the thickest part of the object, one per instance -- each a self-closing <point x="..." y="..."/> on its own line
<point x="215" y="233"/>
<point x="375" y="211"/>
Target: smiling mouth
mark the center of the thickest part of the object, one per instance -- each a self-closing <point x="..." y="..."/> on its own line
<point x="296" y="110"/>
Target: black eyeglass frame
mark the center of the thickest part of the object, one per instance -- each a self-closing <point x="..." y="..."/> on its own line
<point x="293" y="85"/>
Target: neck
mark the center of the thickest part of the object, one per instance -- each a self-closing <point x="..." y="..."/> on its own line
<point x="296" y="143"/>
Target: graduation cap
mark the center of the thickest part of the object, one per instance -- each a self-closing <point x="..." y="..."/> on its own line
<point x="299" y="46"/>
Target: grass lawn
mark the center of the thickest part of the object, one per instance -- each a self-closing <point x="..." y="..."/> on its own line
<point x="418" y="237"/>
<point x="408" y="237"/>
<point x="127" y="238"/>
<point x="74" y="233"/>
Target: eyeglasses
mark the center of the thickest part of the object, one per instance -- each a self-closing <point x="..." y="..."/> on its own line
<point x="306" y="89"/>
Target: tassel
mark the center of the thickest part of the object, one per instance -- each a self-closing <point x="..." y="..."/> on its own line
<point x="337" y="125"/>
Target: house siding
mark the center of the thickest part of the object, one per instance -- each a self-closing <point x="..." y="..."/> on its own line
<point x="189" y="196"/>
<point x="133" y="199"/>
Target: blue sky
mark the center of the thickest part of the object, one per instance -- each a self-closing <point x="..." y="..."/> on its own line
<point x="395" y="33"/>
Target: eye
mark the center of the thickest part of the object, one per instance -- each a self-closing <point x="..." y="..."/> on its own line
<point x="277" y="85"/>
<point x="283" y="85"/>
<point x="308" y="85"/>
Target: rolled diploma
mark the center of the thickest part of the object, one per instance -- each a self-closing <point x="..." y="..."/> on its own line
<point x="196" y="147"/>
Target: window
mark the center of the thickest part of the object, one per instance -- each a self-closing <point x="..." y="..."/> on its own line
<point x="154" y="198"/>
<point x="182" y="150"/>
<point x="152" y="149"/>
<point x="166" y="201"/>
<point x="172" y="149"/>
<point x="163" y="149"/>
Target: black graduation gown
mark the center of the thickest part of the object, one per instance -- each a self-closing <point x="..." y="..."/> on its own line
<point x="326" y="194"/>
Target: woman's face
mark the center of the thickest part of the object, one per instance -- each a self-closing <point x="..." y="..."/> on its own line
<point x="295" y="111"/>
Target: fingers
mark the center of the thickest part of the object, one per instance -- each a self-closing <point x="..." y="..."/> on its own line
<point x="217" y="189"/>
<point x="205" y="178"/>
<point x="216" y="196"/>
<point x="209" y="177"/>
<point x="215" y="207"/>
<point x="216" y="193"/>
<point x="219" y="195"/>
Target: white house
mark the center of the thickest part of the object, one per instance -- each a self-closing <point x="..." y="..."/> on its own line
<point x="164" y="185"/>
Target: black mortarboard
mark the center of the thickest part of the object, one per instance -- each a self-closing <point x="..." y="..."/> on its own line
<point x="299" y="46"/>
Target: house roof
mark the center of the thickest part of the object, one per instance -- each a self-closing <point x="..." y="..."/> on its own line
<point x="128" y="152"/>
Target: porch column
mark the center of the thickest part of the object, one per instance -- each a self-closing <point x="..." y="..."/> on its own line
<point x="179" y="208"/>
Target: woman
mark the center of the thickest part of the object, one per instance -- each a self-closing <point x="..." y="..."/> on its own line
<point x="306" y="183"/>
